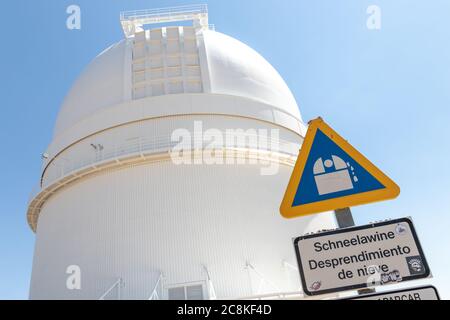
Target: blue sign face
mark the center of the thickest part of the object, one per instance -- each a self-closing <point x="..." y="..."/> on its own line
<point x="331" y="173"/>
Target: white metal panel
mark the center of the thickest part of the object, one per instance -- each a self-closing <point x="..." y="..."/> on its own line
<point x="136" y="222"/>
<point x="237" y="69"/>
<point x="99" y="86"/>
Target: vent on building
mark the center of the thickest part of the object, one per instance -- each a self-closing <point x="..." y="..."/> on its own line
<point x="166" y="61"/>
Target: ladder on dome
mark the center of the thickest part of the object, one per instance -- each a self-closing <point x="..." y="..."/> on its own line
<point x="134" y="21"/>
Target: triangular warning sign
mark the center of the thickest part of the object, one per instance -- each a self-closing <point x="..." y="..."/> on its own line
<point x="330" y="174"/>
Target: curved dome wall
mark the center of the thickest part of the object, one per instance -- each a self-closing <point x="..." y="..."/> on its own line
<point x="100" y="85"/>
<point x="236" y="69"/>
<point x="229" y="67"/>
<point x="146" y="220"/>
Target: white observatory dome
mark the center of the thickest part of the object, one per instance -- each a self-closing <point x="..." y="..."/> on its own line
<point x="115" y="205"/>
<point x="233" y="69"/>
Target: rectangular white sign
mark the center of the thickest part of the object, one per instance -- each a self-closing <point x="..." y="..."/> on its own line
<point x="421" y="293"/>
<point x="360" y="257"/>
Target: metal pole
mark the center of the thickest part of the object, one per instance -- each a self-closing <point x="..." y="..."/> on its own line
<point x="344" y="219"/>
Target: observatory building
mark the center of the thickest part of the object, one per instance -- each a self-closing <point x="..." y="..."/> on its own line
<point x="116" y="208"/>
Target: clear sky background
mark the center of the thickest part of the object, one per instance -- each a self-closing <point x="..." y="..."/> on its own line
<point x="386" y="91"/>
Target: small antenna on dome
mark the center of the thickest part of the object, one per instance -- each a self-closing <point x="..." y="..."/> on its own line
<point x="134" y="21"/>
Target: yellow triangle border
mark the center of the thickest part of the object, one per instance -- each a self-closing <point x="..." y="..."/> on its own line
<point x="390" y="191"/>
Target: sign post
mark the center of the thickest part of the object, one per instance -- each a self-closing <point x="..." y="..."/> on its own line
<point x="344" y="218"/>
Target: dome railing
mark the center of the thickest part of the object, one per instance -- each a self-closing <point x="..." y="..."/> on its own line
<point x="135" y="20"/>
<point x="63" y="165"/>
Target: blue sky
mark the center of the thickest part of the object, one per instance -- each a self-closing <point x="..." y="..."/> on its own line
<point x="387" y="91"/>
